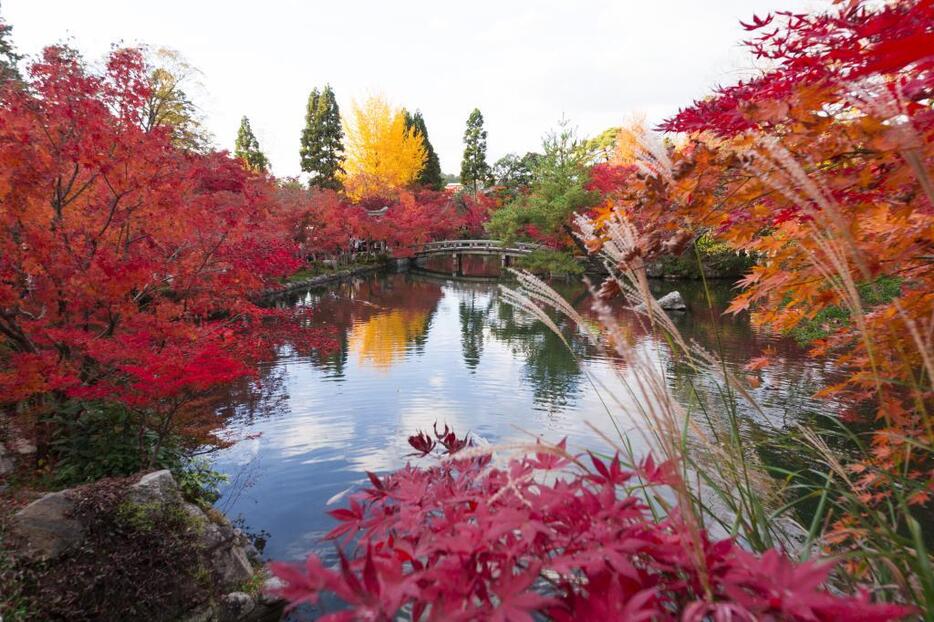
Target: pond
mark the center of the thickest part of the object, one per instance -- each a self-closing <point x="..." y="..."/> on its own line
<point x="416" y="349"/>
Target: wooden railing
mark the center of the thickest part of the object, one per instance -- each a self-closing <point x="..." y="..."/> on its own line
<point x="492" y="247"/>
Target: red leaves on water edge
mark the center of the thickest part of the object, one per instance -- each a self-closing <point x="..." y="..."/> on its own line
<point x="424" y="444"/>
<point x="463" y="541"/>
<point x="449" y="440"/>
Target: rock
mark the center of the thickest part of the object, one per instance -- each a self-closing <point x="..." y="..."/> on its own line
<point x="46" y="526"/>
<point x="231" y="566"/>
<point x="236" y="606"/>
<point x="6" y="462"/>
<point x="213" y="536"/>
<point x="157" y="487"/>
<point x="253" y="554"/>
<point x="23" y="447"/>
<point x="272" y="584"/>
<point x="200" y="614"/>
<point x="194" y="513"/>
<point x="268" y="605"/>
<point x="672" y="301"/>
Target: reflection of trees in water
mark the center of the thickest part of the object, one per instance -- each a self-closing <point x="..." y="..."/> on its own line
<point x="254" y="397"/>
<point x="379" y="318"/>
<point x="784" y="396"/>
<point x="550" y="368"/>
<point x="473" y="315"/>
<point x="384" y="338"/>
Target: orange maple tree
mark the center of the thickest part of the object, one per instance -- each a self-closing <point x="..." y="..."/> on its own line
<point x="821" y="168"/>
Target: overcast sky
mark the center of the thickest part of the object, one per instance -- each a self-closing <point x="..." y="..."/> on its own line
<point x="524" y="64"/>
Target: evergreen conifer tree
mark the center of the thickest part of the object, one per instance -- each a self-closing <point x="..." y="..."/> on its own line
<point x="247" y="148"/>
<point x="430" y="177"/>
<point x="322" y="149"/>
<point x="8" y="56"/>
<point x="475" y="172"/>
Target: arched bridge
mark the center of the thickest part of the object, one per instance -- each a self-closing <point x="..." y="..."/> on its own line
<point x="459" y="248"/>
<point x="476" y="247"/>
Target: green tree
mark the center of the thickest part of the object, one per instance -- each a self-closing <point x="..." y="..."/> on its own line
<point x="602" y="147"/>
<point x="8" y="56"/>
<point x="247" y="148"/>
<point x="475" y="172"/>
<point x="514" y="174"/>
<point x="322" y="149"/>
<point x="557" y="191"/>
<point x="169" y="105"/>
<point x="430" y="177"/>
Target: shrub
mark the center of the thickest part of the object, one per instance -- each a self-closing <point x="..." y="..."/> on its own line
<point x="551" y="534"/>
<point x="138" y="562"/>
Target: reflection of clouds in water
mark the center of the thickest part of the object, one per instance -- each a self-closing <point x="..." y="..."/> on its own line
<point x="298" y="548"/>
<point x="414" y="414"/>
<point x="480" y="367"/>
<point x="243" y="452"/>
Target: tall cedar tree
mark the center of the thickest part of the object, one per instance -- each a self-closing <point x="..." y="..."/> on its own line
<point x="322" y="149"/>
<point x="475" y="172"/>
<point x="8" y="56"/>
<point x="247" y="148"/>
<point x="430" y="177"/>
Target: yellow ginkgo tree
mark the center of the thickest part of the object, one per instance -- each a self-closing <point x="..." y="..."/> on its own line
<point x="382" y="154"/>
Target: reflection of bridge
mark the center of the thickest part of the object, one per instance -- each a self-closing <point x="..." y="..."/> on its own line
<point x="459" y="248"/>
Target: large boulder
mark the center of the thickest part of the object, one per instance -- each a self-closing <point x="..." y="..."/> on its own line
<point x="231" y="566"/>
<point x="47" y="527"/>
<point x="158" y="487"/>
<point x="672" y="301"/>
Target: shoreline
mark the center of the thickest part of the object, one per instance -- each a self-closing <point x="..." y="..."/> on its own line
<point x="394" y="265"/>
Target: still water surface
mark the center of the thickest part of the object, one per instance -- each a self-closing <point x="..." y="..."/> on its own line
<point x="418" y="349"/>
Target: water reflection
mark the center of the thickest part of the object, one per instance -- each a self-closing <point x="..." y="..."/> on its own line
<point x="419" y="349"/>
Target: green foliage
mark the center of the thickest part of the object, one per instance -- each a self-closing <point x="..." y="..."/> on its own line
<point x="475" y="172"/>
<point x="430" y="177"/>
<point x="8" y="56"/>
<point x="829" y="319"/>
<point x="198" y="481"/>
<point x="557" y="191"/>
<point x="247" y="148"/>
<point x="514" y="174"/>
<point x="322" y="144"/>
<point x="601" y="147"/>
<point x="169" y="105"/>
<point x="718" y="260"/>
<point x="546" y="261"/>
<point x="93" y="440"/>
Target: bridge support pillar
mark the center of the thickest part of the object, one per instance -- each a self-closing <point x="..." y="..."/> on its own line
<point x="458" y="264"/>
<point x="505" y="261"/>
